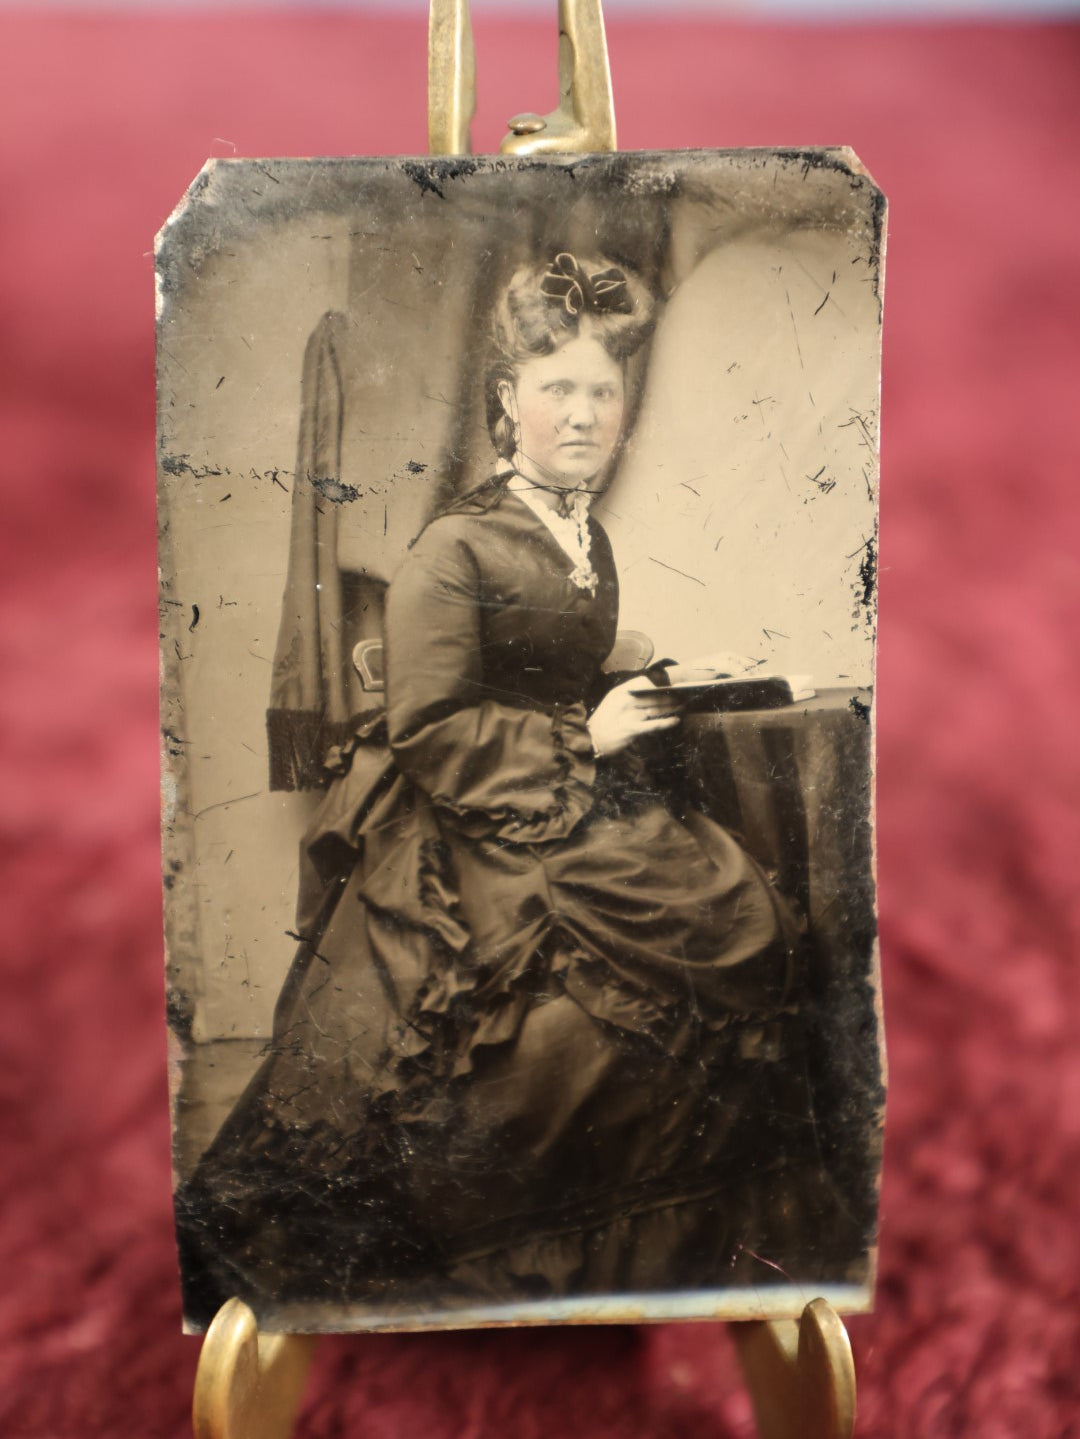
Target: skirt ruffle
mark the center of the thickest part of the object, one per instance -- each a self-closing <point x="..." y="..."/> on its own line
<point x="491" y="1058"/>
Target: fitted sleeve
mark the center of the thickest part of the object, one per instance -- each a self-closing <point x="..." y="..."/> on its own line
<point x="518" y="774"/>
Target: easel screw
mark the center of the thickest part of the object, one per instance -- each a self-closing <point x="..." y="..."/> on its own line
<point x="527" y="124"/>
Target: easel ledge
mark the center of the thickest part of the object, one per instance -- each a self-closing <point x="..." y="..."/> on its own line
<point x="799" y="1372"/>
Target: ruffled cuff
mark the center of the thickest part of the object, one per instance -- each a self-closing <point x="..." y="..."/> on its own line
<point x="572" y="791"/>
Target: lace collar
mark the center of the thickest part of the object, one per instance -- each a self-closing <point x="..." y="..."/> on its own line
<point x="570" y="530"/>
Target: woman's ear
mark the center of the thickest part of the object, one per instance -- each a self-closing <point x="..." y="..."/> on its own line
<point x="508" y="397"/>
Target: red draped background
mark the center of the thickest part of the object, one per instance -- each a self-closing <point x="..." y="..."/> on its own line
<point x="974" y="133"/>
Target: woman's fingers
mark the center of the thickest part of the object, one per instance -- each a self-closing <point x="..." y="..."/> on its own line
<point x="622" y="715"/>
<point x="660" y="707"/>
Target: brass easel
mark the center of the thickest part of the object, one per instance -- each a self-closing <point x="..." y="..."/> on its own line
<point x="800" y="1373"/>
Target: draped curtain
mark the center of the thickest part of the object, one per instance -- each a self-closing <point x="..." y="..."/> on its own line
<point x="308" y="711"/>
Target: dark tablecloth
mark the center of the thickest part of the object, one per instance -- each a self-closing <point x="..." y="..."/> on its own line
<point x="794" y="784"/>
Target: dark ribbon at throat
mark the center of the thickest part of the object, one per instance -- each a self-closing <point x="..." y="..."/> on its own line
<point x="564" y="497"/>
<point x="603" y="292"/>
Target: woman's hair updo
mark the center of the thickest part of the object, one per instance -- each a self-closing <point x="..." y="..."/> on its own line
<point x="542" y="308"/>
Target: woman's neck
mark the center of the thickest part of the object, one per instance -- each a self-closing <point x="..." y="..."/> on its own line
<point x="549" y="490"/>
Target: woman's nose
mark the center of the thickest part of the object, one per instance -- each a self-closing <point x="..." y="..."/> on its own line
<point x="581" y="412"/>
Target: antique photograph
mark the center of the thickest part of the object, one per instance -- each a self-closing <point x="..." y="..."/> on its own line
<point x="518" y="601"/>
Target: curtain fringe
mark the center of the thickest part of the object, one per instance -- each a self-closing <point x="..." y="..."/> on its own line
<point x="299" y="742"/>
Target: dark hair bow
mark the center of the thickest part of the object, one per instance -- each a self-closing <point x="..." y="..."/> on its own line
<point x="604" y="292"/>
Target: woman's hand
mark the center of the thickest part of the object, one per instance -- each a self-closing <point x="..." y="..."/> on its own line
<point x="623" y="716"/>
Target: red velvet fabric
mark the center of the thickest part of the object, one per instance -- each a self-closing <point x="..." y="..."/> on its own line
<point x="974" y="132"/>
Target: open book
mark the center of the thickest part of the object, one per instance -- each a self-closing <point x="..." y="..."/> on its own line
<point x="741" y="692"/>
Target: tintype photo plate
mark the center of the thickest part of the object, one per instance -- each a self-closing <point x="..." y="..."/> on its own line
<point x="518" y="543"/>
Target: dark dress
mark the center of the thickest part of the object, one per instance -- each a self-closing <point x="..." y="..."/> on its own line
<point x="529" y="1045"/>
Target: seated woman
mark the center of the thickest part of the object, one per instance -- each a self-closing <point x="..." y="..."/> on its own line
<point x="521" y="1051"/>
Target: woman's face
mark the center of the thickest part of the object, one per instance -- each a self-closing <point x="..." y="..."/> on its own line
<point x="568" y="409"/>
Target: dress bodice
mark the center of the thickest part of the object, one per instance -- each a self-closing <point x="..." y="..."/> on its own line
<point x="542" y="640"/>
